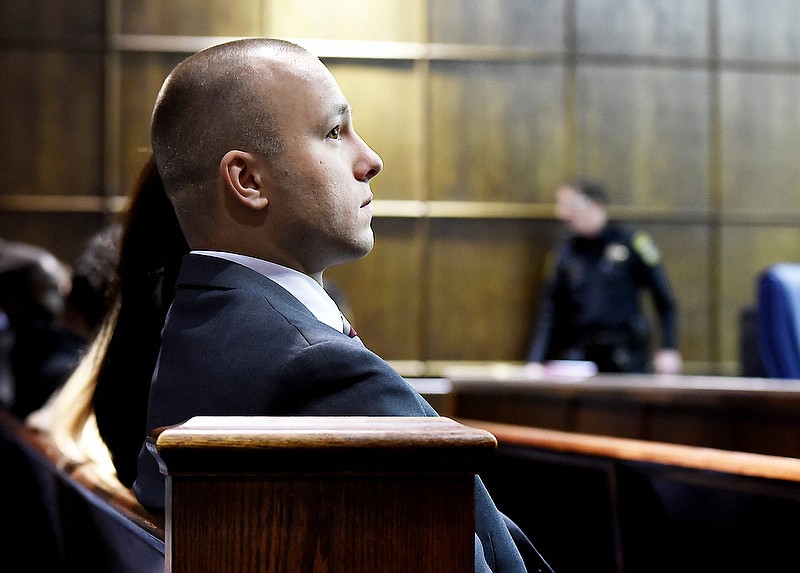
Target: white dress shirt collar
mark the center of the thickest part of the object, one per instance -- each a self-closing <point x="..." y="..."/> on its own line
<point x="305" y="289"/>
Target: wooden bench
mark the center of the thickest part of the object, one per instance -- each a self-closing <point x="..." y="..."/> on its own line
<point x="607" y="504"/>
<point x="253" y="494"/>
<point x="71" y="520"/>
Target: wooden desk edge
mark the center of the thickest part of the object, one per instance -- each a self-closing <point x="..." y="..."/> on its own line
<point x="737" y="463"/>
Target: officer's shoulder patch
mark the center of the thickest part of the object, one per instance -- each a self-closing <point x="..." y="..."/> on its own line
<point x="644" y="246"/>
<point x="616" y="253"/>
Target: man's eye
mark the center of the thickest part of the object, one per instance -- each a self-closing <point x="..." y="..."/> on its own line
<point x="334" y="133"/>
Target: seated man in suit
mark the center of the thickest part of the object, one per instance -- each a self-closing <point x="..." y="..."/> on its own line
<point x="255" y="145"/>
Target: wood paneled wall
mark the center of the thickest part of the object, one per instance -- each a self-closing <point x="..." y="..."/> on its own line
<point x="688" y="109"/>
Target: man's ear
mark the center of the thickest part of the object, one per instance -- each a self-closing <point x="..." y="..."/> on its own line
<point x="244" y="179"/>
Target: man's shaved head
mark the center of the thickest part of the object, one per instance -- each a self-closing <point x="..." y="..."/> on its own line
<point x="214" y="101"/>
<point x="255" y="144"/>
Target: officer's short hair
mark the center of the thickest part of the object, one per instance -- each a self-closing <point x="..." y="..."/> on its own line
<point x="591" y="189"/>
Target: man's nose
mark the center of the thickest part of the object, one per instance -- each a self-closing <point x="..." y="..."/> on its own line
<point x="377" y="165"/>
<point x="369" y="164"/>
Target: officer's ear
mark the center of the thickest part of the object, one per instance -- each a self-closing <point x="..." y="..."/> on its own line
<point x="244" y="179"/>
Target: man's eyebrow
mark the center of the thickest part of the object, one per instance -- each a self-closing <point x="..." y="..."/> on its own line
<point x="340" y="110"/>
<point x="337" y="111"/>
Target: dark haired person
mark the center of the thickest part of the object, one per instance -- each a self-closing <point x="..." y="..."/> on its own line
<point x="55" y="311"/>
<point x="591" y="308"/>
<point x="34" y="285"/>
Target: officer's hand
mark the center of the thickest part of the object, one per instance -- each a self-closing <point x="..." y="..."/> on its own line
<point x="667" y="361"/>
<point x="534" y="369"/>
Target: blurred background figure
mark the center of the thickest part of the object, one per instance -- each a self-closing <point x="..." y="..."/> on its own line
<point x="93" y="279"/>
<point x="51" y="312"/>
<point x="33" y="288"/>
<point x="591" y="308"/>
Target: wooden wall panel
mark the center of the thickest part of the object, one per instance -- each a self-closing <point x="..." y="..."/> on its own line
<point x="760" y="134"/>
<point x="52" y="122"/>
<point x="141" y="76"/>
<point x="63" y="234"/>
<point x="485" y="279"/>
<point x="645" y="132"/>
<point x="480" y="109"/>
<point x="530" y="24"/>
<point x="759" y="31"/>
<point x="643" y="27"/>
<point x="385" y="21"/>
<point x="388" y="113"/>
<point x="497" y="131"/>
<point x="45" y="19"/>
<point x="191" y="17"/>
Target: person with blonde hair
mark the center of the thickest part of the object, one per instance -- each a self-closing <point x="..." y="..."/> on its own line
<point x="98" y="416"/>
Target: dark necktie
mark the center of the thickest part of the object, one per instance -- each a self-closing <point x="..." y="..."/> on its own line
<point x="348" y="329"/>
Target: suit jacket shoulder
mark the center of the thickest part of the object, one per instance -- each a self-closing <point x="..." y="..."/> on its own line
<point x="236" y="343"/>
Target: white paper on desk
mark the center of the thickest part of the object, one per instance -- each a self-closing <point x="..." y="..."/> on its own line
<point x="571" y="368"/>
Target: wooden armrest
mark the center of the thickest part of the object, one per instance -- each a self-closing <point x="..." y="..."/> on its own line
<point x="236" y="444"/>
<point x="355" y="493"/>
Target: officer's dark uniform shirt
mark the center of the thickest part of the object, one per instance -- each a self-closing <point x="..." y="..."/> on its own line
<point x="591" y="308"/>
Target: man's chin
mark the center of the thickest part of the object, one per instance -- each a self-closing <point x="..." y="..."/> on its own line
<point x="366" y="247"/>
<point x="366" y="242"/>
<point x="356" y="250"/>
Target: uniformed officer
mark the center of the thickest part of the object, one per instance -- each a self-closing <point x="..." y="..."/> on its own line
<point x="591" y="305"/>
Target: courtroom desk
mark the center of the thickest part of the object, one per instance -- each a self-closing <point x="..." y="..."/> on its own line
<point x="614" y="505"/>
<point x="742" y="414"/>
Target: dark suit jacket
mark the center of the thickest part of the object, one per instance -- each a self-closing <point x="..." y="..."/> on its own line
<point x="236" y="344"/>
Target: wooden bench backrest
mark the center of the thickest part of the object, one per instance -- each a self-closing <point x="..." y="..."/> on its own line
<point x="78" y="521"/>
